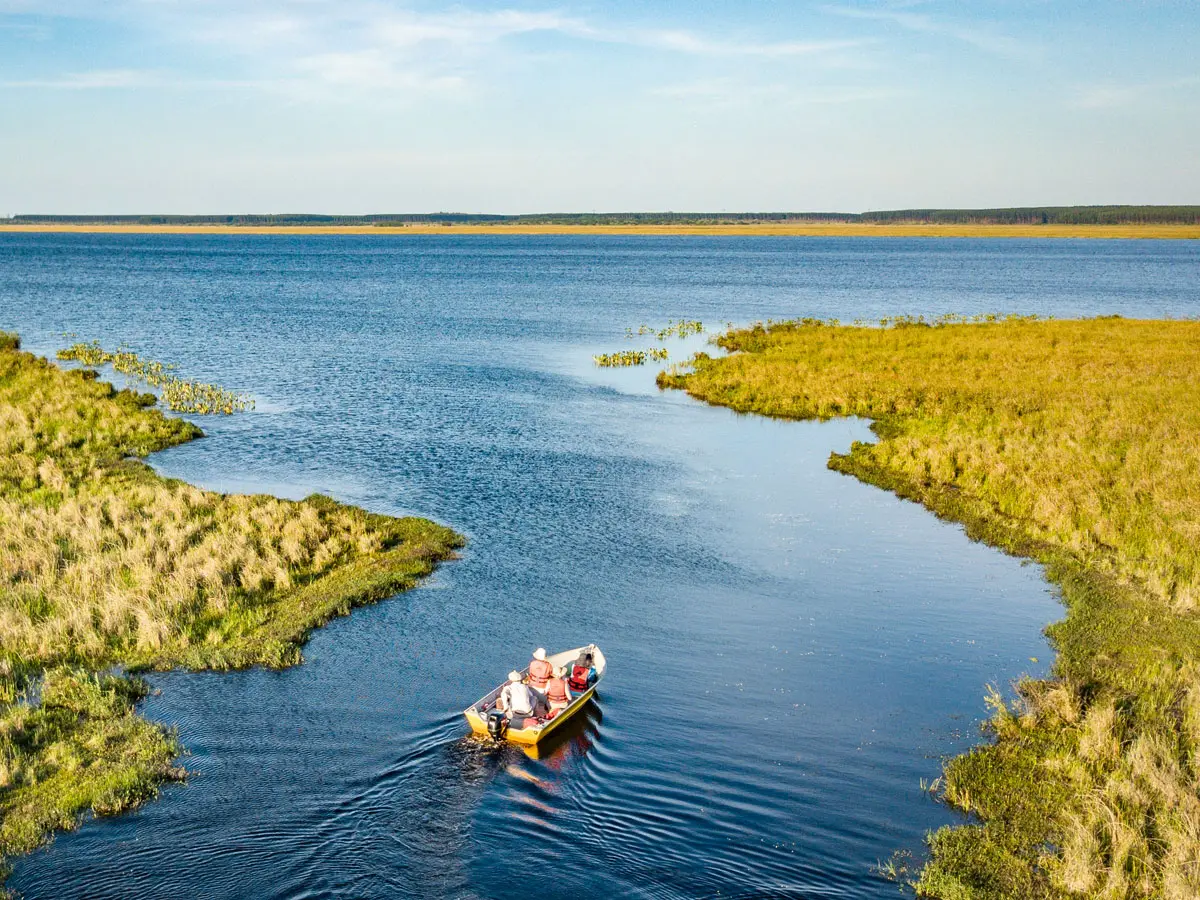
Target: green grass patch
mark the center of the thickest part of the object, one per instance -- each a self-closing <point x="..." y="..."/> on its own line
<point x="1073" y="443"/>
<point x="105" y="564"/>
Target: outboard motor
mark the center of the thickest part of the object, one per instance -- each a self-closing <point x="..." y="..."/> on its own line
<point x="497" y="724"/>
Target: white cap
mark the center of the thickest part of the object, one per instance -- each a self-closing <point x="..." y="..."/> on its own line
<point x="514" y="676"/>
<point x="539" y="653"/>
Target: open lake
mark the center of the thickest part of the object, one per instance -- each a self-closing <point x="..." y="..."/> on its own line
<point x="791" y="652"/>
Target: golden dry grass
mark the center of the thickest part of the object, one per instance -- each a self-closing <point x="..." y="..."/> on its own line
<point x="1076" y="443"/>
<point x="835" y="229"/>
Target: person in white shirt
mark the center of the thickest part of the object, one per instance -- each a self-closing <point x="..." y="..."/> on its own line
<point x="518" y="700"/>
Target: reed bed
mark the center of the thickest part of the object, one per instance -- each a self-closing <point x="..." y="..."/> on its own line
<point x="181" y="395"/>
<point x="103" y="563"/>
<point x="1074" y="443"/>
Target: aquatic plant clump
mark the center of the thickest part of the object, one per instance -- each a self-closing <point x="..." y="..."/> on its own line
<point x="105" y="564"/>
<point x="1072" y="443"/>
<point x="620" y="358"/>
<point x="682" y="328"/>
<point x="181" y="395"/>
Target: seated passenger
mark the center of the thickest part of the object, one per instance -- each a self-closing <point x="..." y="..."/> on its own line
<point x="517" y="701"/>
<point x="558" y="695"/>
<point x="583" y="672"/>
<point x="540" y="671"/>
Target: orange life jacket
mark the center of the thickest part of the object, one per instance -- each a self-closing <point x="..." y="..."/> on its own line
<point x="556" y="691"/>
<point x="579" y="677"/>
<point x="539" y="673"/>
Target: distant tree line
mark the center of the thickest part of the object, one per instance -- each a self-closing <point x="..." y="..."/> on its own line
<point x="1025" y="215"/>
<point x="1043" y="215"/>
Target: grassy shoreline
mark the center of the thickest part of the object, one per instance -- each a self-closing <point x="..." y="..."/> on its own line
<point x="1071" y="443"/>
<point x="836" y="229"/>
<point x="107" y="569"/>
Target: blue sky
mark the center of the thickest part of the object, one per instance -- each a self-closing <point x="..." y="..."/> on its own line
<point x="357" y="106"/>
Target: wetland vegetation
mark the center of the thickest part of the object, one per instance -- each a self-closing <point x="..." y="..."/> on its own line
<point x="620" y="358"/>
<point x="106" y="568"/>
<point x="180" y="394"/>
<point x="682" y="328"/>
<point x="1073" y="443"/>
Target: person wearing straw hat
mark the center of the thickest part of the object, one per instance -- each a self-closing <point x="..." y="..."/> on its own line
<point x="558" y="694"/>
<point x="517" y="700"/>
<point x="540" y="671"/>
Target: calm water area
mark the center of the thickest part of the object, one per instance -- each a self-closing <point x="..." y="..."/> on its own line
<point x="791" y="652"/>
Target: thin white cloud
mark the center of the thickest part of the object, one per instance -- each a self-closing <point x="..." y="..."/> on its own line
<point x="368" y="45"/>
<point x="733" y="92"/>
<point x="979" y="36"/>
<point x="97" y="79"/>
<point x="1116" y="96"/>
<point x="372" y="70"/>
<point x="690" y="43"/>
<point x="372" y="26"/>
<point x="109" y="79"/>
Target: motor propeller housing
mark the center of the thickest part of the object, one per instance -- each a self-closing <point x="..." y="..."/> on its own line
<point x="497" y="724"/>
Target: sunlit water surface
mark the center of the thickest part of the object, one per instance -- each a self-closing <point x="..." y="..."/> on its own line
<point x="791" y="652"/>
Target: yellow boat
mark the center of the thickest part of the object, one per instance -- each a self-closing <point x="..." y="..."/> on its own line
<point x="477" y="712"/>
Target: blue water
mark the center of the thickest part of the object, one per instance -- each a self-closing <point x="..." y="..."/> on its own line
<point x="791" y="652"/>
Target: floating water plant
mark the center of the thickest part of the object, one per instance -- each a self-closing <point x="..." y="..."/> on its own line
<point x="621" y="358"/>
<point x="682" y="328"/>
<point x="181" y="395"/>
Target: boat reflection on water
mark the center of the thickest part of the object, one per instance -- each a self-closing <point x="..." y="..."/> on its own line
<point x="572" y="741"/>
<point x="484" y="757"/>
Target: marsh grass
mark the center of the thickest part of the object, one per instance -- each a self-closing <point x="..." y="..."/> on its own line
<point x="1075" y="443"/>
<point x="180" y="394"/>
<point x="81" y="748"/>
<point x="103" y="563"/>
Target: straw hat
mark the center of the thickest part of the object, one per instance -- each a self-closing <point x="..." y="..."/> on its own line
<point x="539" y="653"/>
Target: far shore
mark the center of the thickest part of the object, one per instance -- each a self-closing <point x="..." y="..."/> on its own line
<point x="800" y="229"/>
